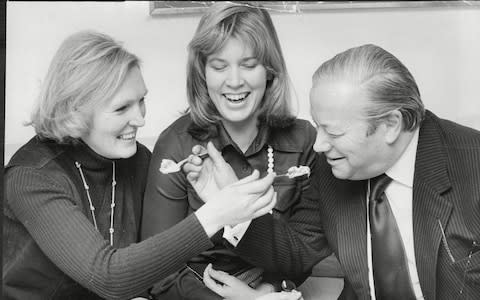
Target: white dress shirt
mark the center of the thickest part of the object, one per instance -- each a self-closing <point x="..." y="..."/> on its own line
<point x="400" y="194"/>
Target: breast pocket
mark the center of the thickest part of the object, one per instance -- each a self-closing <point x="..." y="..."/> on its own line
<point x="468" y="268"/>
<point x="288" y="193"/>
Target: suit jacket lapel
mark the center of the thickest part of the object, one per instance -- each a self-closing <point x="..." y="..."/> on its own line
<point x="431" y="209"/>
<point x="352" y="236"/>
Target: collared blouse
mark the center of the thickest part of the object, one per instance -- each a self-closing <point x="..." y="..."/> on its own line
<point x="169" y="198"/>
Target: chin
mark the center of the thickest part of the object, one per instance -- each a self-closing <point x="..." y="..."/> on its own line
<point x="338" y="174"/>
<point x="342" y="174"/>
<point x="126" y="153"/>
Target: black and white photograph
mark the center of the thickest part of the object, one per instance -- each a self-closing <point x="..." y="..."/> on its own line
<point x="241" y="150"/>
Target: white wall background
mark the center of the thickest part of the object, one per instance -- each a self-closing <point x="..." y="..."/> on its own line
<point x="440" y="46"/>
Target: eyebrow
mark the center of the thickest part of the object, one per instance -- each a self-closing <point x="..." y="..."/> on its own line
<point x="131" y="100"/>
<point x="224" y="60"/>
<point x="329" y="126"/>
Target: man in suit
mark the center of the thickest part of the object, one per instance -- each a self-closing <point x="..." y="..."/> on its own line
<point x="415" y="235"/>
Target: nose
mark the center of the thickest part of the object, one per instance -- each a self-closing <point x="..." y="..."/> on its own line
<point x="322" y="142"/>
<point x="234" y="78"/>
<point x="138" y="115"/>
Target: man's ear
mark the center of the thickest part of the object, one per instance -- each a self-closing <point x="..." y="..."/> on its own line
<point x="394" y="126"/>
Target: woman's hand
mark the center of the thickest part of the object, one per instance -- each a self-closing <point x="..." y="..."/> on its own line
<point x="241" y="201"/>
<point x="228" y="201"/>
<point x="210" y="175"/>
<point x="228" y="286"/>
<point x="231" y="288"/>
<point x="293" y="295"/>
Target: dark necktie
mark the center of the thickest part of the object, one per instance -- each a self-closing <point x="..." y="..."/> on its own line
<point x="389" y="261"/>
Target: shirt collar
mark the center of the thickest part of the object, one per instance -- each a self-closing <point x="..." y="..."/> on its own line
<point x="403" y="169"/>
<point x="223" y="139"/>
<point x="279" y="138"/>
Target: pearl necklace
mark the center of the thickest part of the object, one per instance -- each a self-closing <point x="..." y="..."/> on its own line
<point x="270" y="159"/>
<point x="92" y="208"/>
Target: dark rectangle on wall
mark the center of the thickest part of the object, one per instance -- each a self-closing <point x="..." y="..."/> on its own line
<point x="198" y="7"/>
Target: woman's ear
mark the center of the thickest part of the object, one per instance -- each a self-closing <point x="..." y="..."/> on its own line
<point x="270" y="76"/>
<point x="394" y="126"/>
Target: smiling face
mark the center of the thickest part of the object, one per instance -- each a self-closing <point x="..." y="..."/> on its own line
<point x="115" y="122"/>
<point x="337" y="107"/>
<point x="236" y="83"/>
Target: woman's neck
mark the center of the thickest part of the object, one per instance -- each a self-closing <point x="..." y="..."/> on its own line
<point x="242" y="134"/>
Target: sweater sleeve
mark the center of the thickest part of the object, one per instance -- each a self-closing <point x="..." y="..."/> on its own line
<point x="46" y="208"/>
<point x="166" y="196"/>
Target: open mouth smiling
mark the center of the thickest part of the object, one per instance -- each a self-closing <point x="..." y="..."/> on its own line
<point x="127" y="136"/>
<point x="235" y="98"/>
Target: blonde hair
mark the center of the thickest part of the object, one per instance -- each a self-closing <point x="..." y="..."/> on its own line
<point x="253" y="25"/>
<point x="86" y="70"/>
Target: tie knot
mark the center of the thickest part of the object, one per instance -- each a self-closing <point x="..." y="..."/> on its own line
<point x="378" y="185"/>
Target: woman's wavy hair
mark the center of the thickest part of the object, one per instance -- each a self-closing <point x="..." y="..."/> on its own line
<point x="385" y="79"/>
<point x="253" y="26"/>
<point x="86" y="71"/>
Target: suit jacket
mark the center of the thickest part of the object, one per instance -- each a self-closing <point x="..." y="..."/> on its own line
<point x="332" y="217"/>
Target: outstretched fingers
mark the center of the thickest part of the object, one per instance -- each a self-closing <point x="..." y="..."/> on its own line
<point x="265" y="203"/>
<point x="250" y="178"/>
<point x="252" y="185"/>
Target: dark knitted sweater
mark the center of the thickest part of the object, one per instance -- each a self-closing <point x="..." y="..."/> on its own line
<point x="51" y="250"/>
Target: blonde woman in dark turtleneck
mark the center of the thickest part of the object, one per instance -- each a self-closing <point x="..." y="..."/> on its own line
<point x="74" y="192"/>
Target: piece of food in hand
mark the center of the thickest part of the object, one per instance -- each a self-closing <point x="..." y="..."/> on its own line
<point x="298" y="171"/>
<point x="169" y="166"/>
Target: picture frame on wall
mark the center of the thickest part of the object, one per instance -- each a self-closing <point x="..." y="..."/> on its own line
<point x="165" y="8"/>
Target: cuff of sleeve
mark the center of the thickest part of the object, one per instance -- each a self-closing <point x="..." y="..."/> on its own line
<point x="234" y="234"/>
<point x="197" y="230"/>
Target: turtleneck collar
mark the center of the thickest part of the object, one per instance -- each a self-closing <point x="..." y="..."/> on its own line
<point x="89" y="158"/>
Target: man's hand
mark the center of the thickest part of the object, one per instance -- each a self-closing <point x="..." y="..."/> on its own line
<point x="210" y="175"/>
